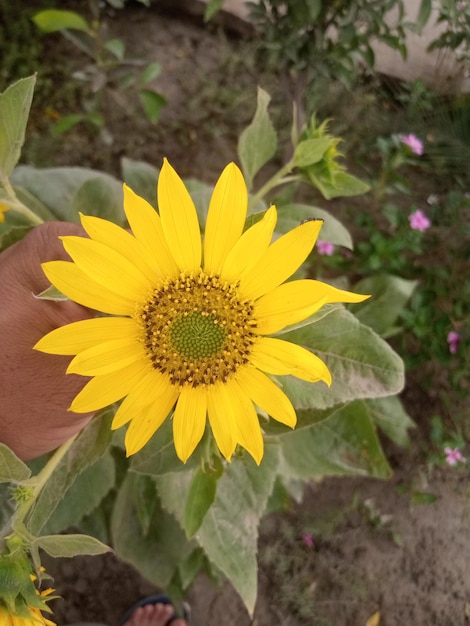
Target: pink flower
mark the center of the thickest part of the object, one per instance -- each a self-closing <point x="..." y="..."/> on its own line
<point x="308" y="540"/>
<point x="325" y="247"/>
<point x="419" y="221"/>
<point x="454" y="456"/>
<point x="415" y="144"/>
<point x="453" y="339"/>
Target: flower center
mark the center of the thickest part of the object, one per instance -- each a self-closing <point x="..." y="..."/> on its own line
<point x="196" y="329"/>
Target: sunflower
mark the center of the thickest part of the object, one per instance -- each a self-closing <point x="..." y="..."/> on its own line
<point x="191" y="319"/>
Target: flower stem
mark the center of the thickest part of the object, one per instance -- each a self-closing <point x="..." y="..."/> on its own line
<point x="274" y="181"/>
<point x="37" y="482"/>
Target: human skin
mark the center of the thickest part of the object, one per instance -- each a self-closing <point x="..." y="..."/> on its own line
<point x="35" y="392"/>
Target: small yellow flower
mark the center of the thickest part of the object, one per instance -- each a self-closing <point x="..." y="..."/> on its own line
<point x="3" y="209"/>
<point x="192" y="319"/>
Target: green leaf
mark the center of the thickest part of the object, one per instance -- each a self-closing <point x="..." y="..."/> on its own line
<point x="342" y="184"/>
<point x="424" y="14"/>
<point x="390" y="416"/>
<point x="189" y="569"/>
<point x="159" y="457"/>
<point x="51" y="293"/>
<point x="151" y="72"/>
<point x="85" y="494"/>
<point x="101" y="197"/>
<point x="70" y="545"/>
<point x="142" y="178"/>
<point x="152" y="103"/>
<point x="291" y="215"/>
<point x="346" y="443"/>
<point x="310" y="151"/>
<point x="117" y="48"/>
<point x="56" y="189"/>
<point x="89" y="446"/>
<point x="212" y="8"/>
<point x="12" y="469"/>
<point x="257" y="143"/>
<point x="200" y="497"/>
<point x="15" y="104"/>
<point x="389" y="297"/>
<point x="229" y="532"/>
<point x="67" y="122"/>
<point x="12" y="234"/>
<point x="53" y="20"/>
<point x="145" y="502"/>
<point x="158" y="554"/>
<point x="362" y="364"/>
<point x="201" y="194"/>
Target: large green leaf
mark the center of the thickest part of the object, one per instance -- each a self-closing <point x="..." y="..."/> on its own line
<point x="159" y="456"/>
<point x="390" y="295"/>
<point x="257" y="143"/>
<point x="15" y="103"/>
<point x="229" y="532"/>
<point x="100" y="196"/>
<point x="58" y="189"/>
<point x="157" y="554"/>
<point x="391" y="417"/>
<point x="89" y="446"/>
<point x="346" y="443"/>
<point x="362" y="364"/>
<point x="200" y="497"/>
<point x="142" y="178"/>
<point x="84" y="495"/>
<point x="291" y="215"/>
<point x="12" y="469"/>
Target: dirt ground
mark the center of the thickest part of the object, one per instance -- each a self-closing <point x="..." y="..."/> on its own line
<point x="377" y="546"/>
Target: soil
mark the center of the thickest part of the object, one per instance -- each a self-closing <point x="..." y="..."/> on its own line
<point x="377" y="546"/>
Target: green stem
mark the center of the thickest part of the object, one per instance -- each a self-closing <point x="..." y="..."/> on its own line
<point x="16" y="205"/>
<point x="38" y="482"/>
<point x="274" y="181"/>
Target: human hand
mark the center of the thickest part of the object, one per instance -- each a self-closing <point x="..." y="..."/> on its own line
<point x="35" y="392"/>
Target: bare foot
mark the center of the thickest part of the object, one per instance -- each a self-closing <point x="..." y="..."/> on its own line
<point x="154" y="615"/>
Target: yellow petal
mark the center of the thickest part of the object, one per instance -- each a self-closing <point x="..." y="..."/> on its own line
<point x="121" y="241"/>
<point x="277" y="356"/>
<point x="144" y="393"/>
<point x="107" y="267"/>
<point x="251" y="246"/>
<point x="102" y="391"/>
<point x="189" y="420"/>
<point x="78" y="336"/>
<point x="143" y="426"/>
<point x="226" y="217"/>
<point x="267" y="395"/>
<point x="221" y="418"/>
<point x="147" y="228"/>
<point x="280" y="260"/>
<point x="295" y="301"/>
<point x="179" y="219"/>
<point x="249" y="430"/>
<point x="107" y="357"/>
<point x="76" y="285"/>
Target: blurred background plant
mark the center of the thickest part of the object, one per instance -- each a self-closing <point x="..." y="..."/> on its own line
<point x="110" y="70"/>
<point x="311" y="42"/>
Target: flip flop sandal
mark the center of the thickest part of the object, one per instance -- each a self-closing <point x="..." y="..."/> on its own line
<point x="157" y="598"/>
